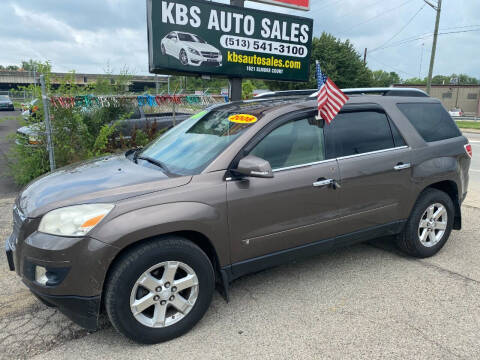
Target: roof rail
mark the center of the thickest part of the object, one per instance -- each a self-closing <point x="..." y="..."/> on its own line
<point x="386" y="91"/>
<point x="269" y="94"/>
<point x="389" y="91"/>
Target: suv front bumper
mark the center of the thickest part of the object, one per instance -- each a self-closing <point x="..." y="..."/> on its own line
<point x="75" y="269"/>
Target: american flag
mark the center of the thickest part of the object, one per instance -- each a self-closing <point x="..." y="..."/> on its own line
<point x="330" y="98"/>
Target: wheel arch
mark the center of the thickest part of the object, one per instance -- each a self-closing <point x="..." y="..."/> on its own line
<point x="196" y="237"/>
<point x="451" y="189"/>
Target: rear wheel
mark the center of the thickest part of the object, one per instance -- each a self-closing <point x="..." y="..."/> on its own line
<point x="429" y="225"/>
<point x="160" y="290"/>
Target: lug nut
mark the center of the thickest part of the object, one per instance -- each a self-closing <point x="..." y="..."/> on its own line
<point x="172" y="298"/>
<point x="158" y="289"/>
<point x="163" y="302"/>
<point x="174" y="288"/>
<point x="156" y="298"/>
<point x="167" y="285"/>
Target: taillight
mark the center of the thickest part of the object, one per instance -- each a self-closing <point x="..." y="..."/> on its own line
<point x="468" y="149"/>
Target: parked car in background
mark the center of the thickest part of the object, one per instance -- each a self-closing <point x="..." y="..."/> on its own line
<point x="30" y="109"/>
<point x="145" y="235"/>
<point x="138" y="120"/>
<point x="455" y="112"/>
<point x="6" y="103"/>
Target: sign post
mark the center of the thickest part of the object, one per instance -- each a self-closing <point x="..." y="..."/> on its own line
<point x="213" y="39"/>
<point x="294" y="4"/>
<point x="235" y="88"/>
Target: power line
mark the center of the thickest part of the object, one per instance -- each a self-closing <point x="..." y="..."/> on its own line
<point x="391" y="67"/>
<point x="424" y="36"/>
<point x="379" y="15"/>
<point x="403" y="28"/>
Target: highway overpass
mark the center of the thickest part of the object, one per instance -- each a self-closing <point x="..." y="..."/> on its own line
<point x="14" y="79"/>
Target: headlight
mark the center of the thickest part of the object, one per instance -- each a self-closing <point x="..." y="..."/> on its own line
<point x="75" y="220"/>
<point x="193" y="51"/>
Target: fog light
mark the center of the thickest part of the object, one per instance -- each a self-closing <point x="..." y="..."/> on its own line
<point x="41" y="275"/>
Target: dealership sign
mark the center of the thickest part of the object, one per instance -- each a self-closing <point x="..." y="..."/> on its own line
<point x="296" y="4"/>
<point x="200" y="37"/>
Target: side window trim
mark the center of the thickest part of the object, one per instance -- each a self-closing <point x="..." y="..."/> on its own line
<point x="332" y="146"/>
<point x="267" y="129"/>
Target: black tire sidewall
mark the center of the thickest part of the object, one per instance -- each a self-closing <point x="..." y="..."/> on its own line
<point x="126" y="323"/>
<point x="427" y="199"/>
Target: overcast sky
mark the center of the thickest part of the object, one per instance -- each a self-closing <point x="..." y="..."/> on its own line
<point x="88" y="35"/>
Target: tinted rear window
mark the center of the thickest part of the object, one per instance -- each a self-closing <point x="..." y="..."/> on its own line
<point x="432" y="121"/>
<point x="359" y="132"/>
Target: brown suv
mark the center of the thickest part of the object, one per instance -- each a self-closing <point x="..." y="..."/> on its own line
<point x="232" y="190"/>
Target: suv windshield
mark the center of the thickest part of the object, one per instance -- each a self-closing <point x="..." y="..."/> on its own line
<point x="4" y="97"/>
<point x="189" y="147"/>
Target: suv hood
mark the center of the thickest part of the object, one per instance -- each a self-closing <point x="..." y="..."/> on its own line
<point x="108" y="179"/>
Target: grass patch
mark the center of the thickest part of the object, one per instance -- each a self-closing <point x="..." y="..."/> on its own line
<point x="469" y="124"/>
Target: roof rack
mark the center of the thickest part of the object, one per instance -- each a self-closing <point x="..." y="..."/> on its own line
<point x="389" y="91"/>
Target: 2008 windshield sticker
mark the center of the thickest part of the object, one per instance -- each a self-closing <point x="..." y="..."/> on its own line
<point x="242" y="119"/>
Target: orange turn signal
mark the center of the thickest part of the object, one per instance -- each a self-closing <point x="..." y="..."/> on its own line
<point x="93" y="221"/>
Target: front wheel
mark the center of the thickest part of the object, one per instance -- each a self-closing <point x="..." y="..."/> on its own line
<point x="429" y="225"/>
<point x="159" y="290"/>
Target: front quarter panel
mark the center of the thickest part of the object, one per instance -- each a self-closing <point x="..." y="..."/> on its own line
<point x="199" y="207"/>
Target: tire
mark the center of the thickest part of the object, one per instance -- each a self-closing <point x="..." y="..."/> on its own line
<point x="183" y="57"/>
<point x="410" y="240"/>
<point x="124" y="288"/>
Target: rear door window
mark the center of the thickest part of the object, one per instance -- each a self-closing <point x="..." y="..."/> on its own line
<point x="431" y="121"/>
<point x="358" y="132"/>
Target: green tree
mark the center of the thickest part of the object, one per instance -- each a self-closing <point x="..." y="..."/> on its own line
<point x="382" y="78"/>
<point x="247" y="89"/>
<point x="415" y="81"/>
<point x="30" y="65"/>
<point x="339" y="61"/>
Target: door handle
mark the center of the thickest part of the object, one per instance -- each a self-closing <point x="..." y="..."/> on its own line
<point x="402" y="166"/>
<point x="325" y="182"/>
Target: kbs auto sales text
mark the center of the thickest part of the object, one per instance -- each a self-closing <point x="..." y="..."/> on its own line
<point x="228" y="21"/>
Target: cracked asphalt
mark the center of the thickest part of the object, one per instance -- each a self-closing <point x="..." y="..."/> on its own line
<point x="365" y="301"/>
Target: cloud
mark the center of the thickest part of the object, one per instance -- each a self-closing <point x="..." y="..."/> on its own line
<point x="86" y="35"/>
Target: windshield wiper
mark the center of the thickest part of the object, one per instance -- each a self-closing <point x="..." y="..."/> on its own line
<point x="154" y="162"/>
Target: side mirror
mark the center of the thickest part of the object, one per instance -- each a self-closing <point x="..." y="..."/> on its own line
<point x="254" y="166"/>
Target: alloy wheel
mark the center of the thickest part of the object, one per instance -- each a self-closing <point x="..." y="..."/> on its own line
<point x="433" y="225"/>
<point x="164" y="294"/>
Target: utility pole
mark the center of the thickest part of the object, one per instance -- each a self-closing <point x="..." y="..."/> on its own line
<point x="365" y="57"/>
<point x="235" y="91"/>
<point x="438" y="9"/>
<point x="157" y="85"/>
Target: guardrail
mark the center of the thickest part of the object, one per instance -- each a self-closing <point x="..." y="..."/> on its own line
<point x="466" y="118"/>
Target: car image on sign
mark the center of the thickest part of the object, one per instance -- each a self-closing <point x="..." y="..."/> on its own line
<point x="190" y="49"/>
